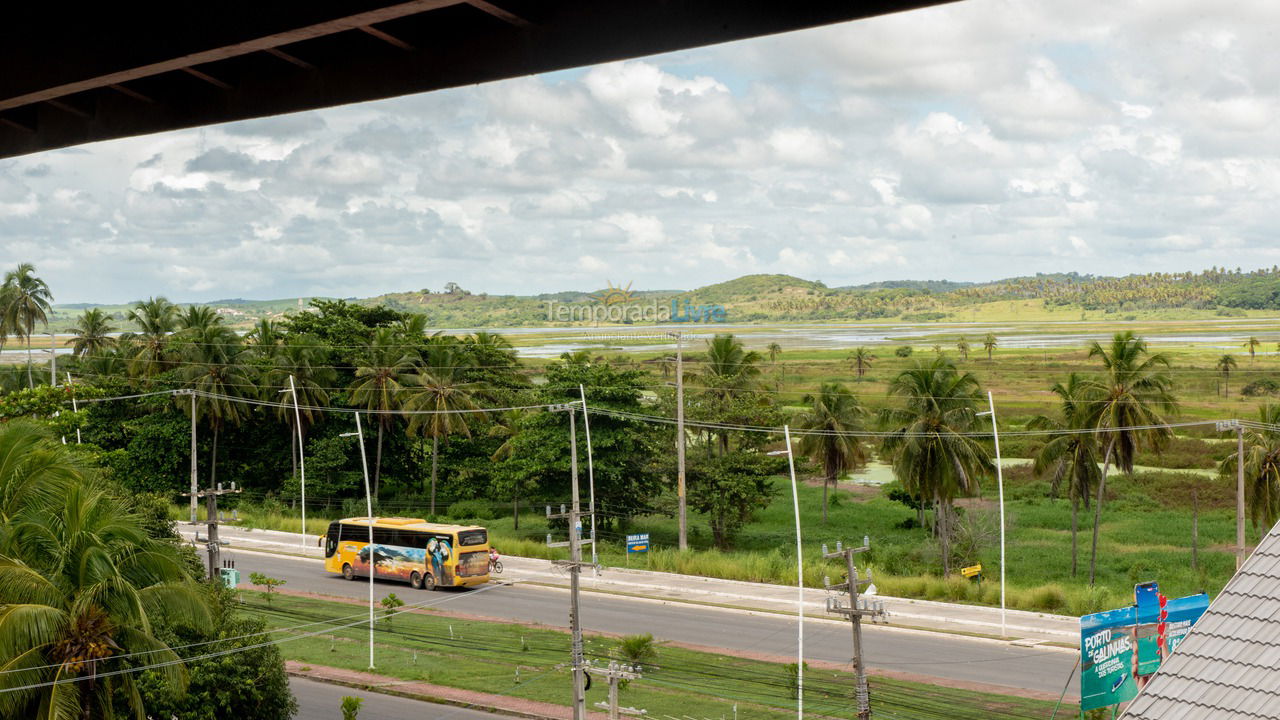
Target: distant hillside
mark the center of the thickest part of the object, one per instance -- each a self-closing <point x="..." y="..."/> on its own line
<point x="784" y="298"/>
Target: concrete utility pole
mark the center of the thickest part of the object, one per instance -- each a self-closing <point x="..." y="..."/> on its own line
<point x="574" y="564"/>
<point x="75" y="407"/>
<point x="591" y="481"/>
<point x="195" y="483"/>
<point x="1227" y="426"/>
<point x="858" y="607"/>
<point x="302" y="463"/>
<point x="616" y="672"/>
<point x="680" y="440"/>
<point x="213" y="546"/>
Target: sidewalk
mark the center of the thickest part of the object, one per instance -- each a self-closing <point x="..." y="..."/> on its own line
<point x="1022" y="627"/>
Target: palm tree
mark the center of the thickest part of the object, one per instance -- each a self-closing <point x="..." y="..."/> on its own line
<point x="1068" y="454"/>
<point x="265" y="336"/>
<point x="303" y="358"/>
<point x="80" y="583"/>
<point x="862" y="359"/>
<point x="27" y="302"/>
<point x="156" y="319"/>
<point x="989" y="344"/>
<point x="1252" y="344"/>
<point x="1261" y="467"/>
<point x="92" y="333"/>
<point x="382" y="369"/>
<point x="963" y="347"/>
<point x="833" y="413"/>
<point x="774" y="351"/>
<point x="728" y="371"/>
<point x="215" y="365"/>
<point x="437" y="388"/>
<point x="576" y="357"/>
<point x="1226" y="364"/>
<point x="932" y="456"/>
<point x="198" y="317"/>
<point x="507" y="427"/>
<point x="1133" y="392"/>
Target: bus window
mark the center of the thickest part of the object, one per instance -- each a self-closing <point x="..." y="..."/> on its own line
<point x="331" y="539"/>
<point x="472" y="537"/>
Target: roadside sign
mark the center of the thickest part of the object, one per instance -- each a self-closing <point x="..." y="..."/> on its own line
<point x="972" y="571"/>
<point x="638" y="543"/>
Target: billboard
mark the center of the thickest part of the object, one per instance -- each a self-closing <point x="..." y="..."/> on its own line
<point x="1120" y="648"/>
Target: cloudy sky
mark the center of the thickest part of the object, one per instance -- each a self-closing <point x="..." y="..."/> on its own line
<point x="969" y="142"/>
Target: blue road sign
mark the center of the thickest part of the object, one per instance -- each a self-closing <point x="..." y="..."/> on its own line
<point x="638" y="543"/>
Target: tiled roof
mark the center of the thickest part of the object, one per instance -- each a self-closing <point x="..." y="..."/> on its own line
<point x="1228" y="667"/>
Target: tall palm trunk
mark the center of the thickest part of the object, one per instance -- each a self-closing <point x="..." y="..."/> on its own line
<point x="30" y="383"/>
<point x="293" y="455"/>
<point x="825" y="482"/>
<point x="435" y="455"/>
<point x="943" y="521"/>
<point x="1097" y="511"/>
<point x="1075" y="525"/>
<point x="515" y="512"/>
<point x="377" y="461"/>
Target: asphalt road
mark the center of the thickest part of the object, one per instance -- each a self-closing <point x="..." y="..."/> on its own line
<point x="924" y="653"/>
<point x="321" y="701"/>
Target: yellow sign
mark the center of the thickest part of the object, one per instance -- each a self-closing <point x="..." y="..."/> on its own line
<point x="971" y="571"/>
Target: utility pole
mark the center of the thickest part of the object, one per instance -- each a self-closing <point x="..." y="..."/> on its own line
<point x="1227" y="426"/>
<point x="302" y="463"/>
<point x="858" y="607"/>
<point x="680" y="439"/>
<point x="591" y="481"/>
<point x="212" y="544"/>
<point x="574" y="564"/>
<point x="194" y="480"/>
<point x="75" y="407"/>
<point x="615" y="673"/>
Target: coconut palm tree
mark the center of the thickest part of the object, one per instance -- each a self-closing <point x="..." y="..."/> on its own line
<point x="1261" y="467"/>
<point x="80" y="584"/>
<point x="1226" y="364"/>
<point x="1134" y="396"/>
<point x="729" y="371"/>
<point x="157" y="319"/>
<point x="963" y="347"/>
<point x="437" y="388"/>
<point x="1252" y="345"/>
<point x="862" y="359"/>
<point x="774" y="351"/>
<point x="92" y="333"/>
<point x="303" y="357"/>
<point x="27" y="302"/>
<point x="1068" y="455"/>
<point x="931" y="454"/>
<point x="833" y="413"/>
<point x="198" y="318"/>
<point x="989" y="343"/>
<point x="507" y="427"/>
<point x="266" y="338"/>
<point x="215" y="364"/>
<point x="382" y="369"/>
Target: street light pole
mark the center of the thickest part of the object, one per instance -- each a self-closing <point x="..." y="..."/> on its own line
<point x="75" y="408"/>
<point x="995" y="433"/>
<point x="302" y="463"/>
<point x="795" y="499"/>
<point x="680" y="441"/>
<point x="591" y="482"/>
<point x="368" y="502"/>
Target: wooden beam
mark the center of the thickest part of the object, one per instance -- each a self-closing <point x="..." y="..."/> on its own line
<point x="129" y="92"/>
<point x="17" y="125"/>
<point x="277" y="52"/>
<point x="207" y="78"/>
<point x="69" y="108"/>
<point x="500" y="13"/>
<point x="387" y="37"/>
<point x="343" y="24"/>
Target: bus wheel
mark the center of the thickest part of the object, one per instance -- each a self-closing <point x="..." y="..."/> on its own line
<point x="415" y="581"/>
<point x="348" y="572"/>
<point x="429" y="582"/>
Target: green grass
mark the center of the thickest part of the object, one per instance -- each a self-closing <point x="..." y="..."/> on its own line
<point x="528" y="662"/>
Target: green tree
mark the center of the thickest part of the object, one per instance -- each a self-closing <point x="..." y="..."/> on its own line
<point x="351" y="707"/>
<point x="963" y="347"/>
<point x="215" y="366"/>
<point x="390" y="606"/>
<point x="80" y="583"/>
<point x="266" y="582"/>
<point x="303" y="358"/>
<point x="833" y="414"/>
<point x="1225" y="365"/>
<point x="1252" y="345"/>
<point x="436" y="388"/>
<point x="515" y="485"/>
<point x="862" y="359"/>
<point x="382" y="370"/>
<point x="1261" y="467"/>
<point x="265" y="337"/>
<point x="932" y="455"/>
<point x="989" y="343"/>
<point x="730" y="373"/>
<point x="774" y="351"/>
<point x="156" y="318"/>
<point x="729" y="489"/>
<point x="92" y="333"/>
<point x="1070" y="453"/>
<point x="198" y="319"/>
<point x="1134" y="397"/>
<point x="27" y="302"/>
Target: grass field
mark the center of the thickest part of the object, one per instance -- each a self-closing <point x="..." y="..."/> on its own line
<point x="529" y="662"/>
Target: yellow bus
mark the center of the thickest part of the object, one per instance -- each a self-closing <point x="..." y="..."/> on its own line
<point x="425" y="554"/>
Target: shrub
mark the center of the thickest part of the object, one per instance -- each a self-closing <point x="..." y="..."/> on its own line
<point x="903" y="352"/>
<point x="472" y="509"/>
<point x="1049" y="598"/>
<point x="1262" y="386"/>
